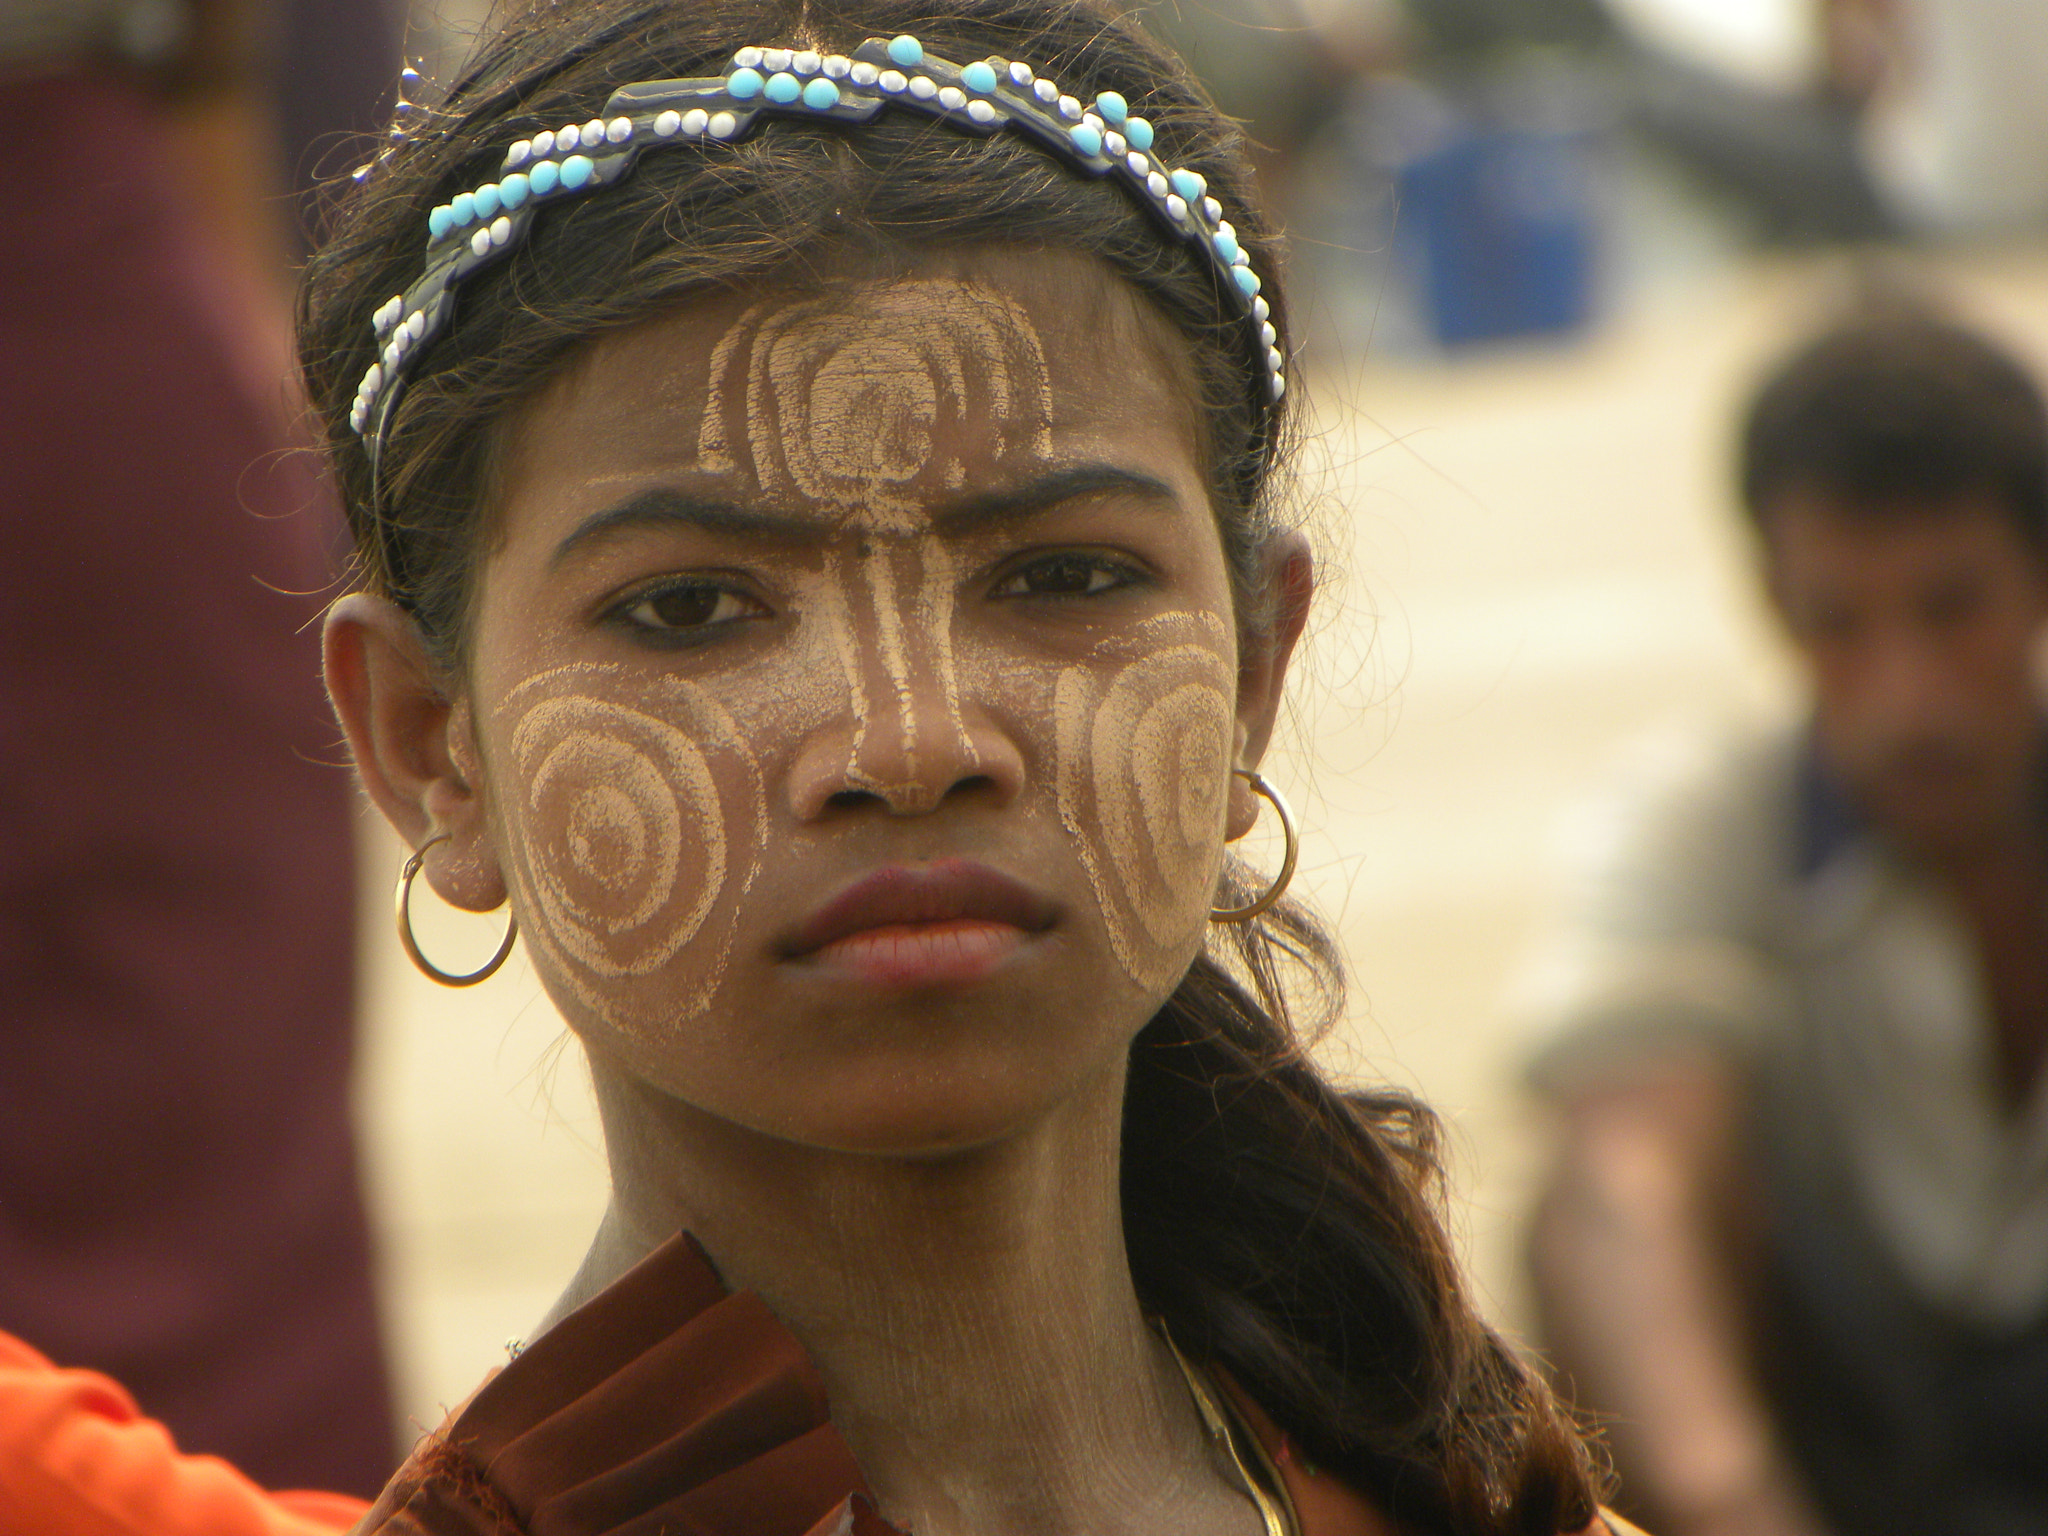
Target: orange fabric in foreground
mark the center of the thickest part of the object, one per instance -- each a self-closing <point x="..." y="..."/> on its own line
<point x="77" y="1458"/>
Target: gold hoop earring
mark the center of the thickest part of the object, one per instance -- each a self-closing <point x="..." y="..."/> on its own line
<point x="412" y="949"/>
<point x="1281" y="881"/>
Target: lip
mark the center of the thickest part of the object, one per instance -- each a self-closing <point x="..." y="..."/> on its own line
<point x="941" y="900"/>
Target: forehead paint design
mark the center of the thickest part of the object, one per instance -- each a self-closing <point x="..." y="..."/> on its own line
<point x="638" y="821"/>
<point x="850" y="401"/>
<point x="1143" y="769"/>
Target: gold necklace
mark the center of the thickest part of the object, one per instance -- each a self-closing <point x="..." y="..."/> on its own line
<point x="1277" y="1513"/>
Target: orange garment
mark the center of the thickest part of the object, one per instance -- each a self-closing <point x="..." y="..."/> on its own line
<point x="77" y="1458"/>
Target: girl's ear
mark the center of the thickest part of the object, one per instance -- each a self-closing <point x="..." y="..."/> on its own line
<point x="1262" y="665"/>
<point x="414" y="747"/>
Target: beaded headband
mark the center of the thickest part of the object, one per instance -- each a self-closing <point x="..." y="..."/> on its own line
<point x="477" y="229"/>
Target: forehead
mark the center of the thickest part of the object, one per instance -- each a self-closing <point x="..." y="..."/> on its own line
<point x="1824" y="536"/>
<point x="869" y="393"/>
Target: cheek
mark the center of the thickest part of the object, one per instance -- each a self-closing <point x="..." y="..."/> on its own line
<point x="1143" y="768"/>
<point x="634" y="827"/>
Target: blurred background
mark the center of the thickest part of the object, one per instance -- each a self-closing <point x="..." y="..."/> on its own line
<point x="1542" y="249"/>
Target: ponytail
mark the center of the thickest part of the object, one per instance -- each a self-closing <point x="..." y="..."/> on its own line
<point x="1314" y="1266"/>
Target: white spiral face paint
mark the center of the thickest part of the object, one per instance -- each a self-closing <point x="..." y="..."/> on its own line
<point x="1144" y="756"/>
<point x="857" y="405"/>
<point x="637" y="827"/>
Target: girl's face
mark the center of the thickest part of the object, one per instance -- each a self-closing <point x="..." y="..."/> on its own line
<point x="853" y="698"/>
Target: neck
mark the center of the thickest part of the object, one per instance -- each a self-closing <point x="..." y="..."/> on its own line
<point x="972" y="1313"/>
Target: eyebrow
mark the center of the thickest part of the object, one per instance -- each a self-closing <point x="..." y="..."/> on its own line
<point x="663" y="506"/>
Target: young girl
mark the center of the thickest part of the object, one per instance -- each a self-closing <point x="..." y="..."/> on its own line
<point x="811" y="465"/>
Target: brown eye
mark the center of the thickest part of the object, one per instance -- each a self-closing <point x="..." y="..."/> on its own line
<point x="690" y="606"/>
<point x="1067" y="575"/>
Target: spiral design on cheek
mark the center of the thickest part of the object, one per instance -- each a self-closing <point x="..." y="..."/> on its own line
<point x="1143" y="791"/>
<point x="625" y="852"/>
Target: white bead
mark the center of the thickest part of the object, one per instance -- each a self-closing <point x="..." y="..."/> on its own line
<point x="952" y="97"/>
<point x="1243" y="258"/>
<point x="480" y="241"/>
<point x="501" y="232"/>
<point x="747" y="58"/>
<point x="836" y="66"/>
<point x="667" y="125"/>
<point x="618" y="130"/>
<point x="891" y="80"/>
<point x="1176" y="206"/>
<point x="724" y="125"/>
<point x="544" y="143"/>
<point x="1070" y="109"/>
<point x="568" y="136"/>
<point x="1139" y="165"/>
<point x="374" y="379"/>
<point x="390" y="355"/>
<point x="1212" y="208"/>
<point x="695" y="121"/>
<point x="774" y="59"/>
<point x="400" y="344"/>
<point x="1045" y="91"/>
<point x="981" y="111"/>
<point x="1156" y="184"/>
<point x="863" y="73"/>
<point x="1020" y="75"/>
<point x="1274" y="360"/>
<point x="1279" y="386"/>
<point x="593" y="132"/>
<point x="1113" y="143"/>
<point x="805" y="61"/>
<point x="1095" y="122"/>
<point x="416" y="324"/>
<point x="519" y="154"/>
<point x="1266" y="332"/>
<point x="924" y="88"/>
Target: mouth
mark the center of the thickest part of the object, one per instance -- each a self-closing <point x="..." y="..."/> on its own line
<point x="947" y="923"/>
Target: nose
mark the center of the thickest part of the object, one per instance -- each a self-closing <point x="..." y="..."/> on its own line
<point x="907" y="736"/>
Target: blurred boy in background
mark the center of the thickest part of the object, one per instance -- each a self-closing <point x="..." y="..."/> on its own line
<point x="1796" y="1240"/>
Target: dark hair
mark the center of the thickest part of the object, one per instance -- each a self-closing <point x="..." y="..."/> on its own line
<point x="1315" y="1267"/>
<point x="1894" y="410"/>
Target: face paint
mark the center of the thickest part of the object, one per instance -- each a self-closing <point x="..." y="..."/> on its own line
<point x="637" y="829"/>
<point x="1143" y="766"/>
<point x="673" y="805"/>
<point x="851" y="405"/>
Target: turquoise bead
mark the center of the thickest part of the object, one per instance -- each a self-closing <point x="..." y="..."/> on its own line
<point x="782" y="88"/>
<point x="1087" y="138"/>
<point x="464" y="205"/>
<point x="979" y="76"/>
<point x="440" y="221"/>
<point x="487" y="200"/>
<point x="1226" y="245"/>
<point x="513" y="189"/>
<point x="820" y="94"/>
<point x="1188" y="185"/>
<point x="1139" y="132"/>
<point x="1247" y="279"/>
<point x="744" y="83"/>
<point x="905" y="51"/>
<point x="545" y="176"/>
<point x="1113" y="107"/>
<point x="576" y="172"/>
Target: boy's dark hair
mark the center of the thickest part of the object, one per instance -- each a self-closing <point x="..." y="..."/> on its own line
<point x="1896" y="409"/>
